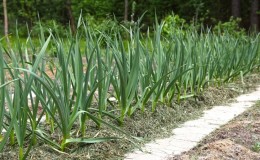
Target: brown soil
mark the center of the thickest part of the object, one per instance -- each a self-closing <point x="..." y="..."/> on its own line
<point x="235" y="141"/>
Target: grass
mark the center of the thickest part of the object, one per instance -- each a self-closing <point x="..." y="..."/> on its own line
<point x="141" y="73"/>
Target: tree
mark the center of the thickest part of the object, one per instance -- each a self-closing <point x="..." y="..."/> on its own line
<point x="71" y="17"/>
<point x="235" y="8"/>
<point x="126" y="11"/>
<point x="5" y="19"/>
<point x="254" y="16"/>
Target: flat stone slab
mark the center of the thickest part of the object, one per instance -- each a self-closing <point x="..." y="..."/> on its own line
<point x="242" y="104"/>
<point x="190" y="133"/>
<point x="252" y="97"/>
<point x="189" y="137"/>
<point x="200" y="123"/>
<point x="142" y="157"/>
<point x="192" y="130"/>
<point x="160" y="149"/>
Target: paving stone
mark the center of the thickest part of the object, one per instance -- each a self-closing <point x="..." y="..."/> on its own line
<point x="134" y="153"/>
<point x="222" y="117"/>
<point x="162" y="147"/>
<point x="170" y="150"/>
<point x="237" y="110"/>
<point x="160" y="153"/>
<point x="150" y="147"/>
<point x="199" y="123"/>
<point x="182" y="144"/>
<point x="189" y="137"/>
<point x="192" y="130"/>
<point x="163" y="141"/>
<point x="138" y="152"/>
<point x="221" y="110"/>
<point x="217" y="109"/>
<point x="216" y="122"/>
<point x="219" y="115"/>
<point x="230" y="113"/>
<point x="143" y="157"/>
<point x="242" y="104"/>
<point x="176" y="153"/>
<point x="174" y="148"/>
<point x="249" y="97"/>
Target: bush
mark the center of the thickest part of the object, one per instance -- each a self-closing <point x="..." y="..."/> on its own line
<point x="52" y="25"/>
<point x="107" y="25"/>
<point x="230" y="27"/>
<point x="174" y="24"/>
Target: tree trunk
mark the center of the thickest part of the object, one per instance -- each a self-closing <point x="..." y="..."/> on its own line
<point x="5" y="19"/>
<point x="236" y="8"/>
<point x="126" y="11"/>
<point x="254" y="16"/>
<point x="71" y="17"/>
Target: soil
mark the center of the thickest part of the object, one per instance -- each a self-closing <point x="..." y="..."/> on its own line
<point x="237" y="140"/>
<point x="148" y="126"/>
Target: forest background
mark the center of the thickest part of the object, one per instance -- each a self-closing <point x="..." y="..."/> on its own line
<point x="235" y="15"/>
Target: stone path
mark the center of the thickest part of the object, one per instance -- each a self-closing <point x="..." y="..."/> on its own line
<point x="190" y="133"/>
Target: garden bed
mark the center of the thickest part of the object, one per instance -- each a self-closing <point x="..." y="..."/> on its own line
<point x="147" y="125"/>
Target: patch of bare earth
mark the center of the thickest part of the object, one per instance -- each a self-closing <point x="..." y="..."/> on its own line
<point x="234" y="141"/>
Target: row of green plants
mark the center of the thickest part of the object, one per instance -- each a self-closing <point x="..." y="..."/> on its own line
<point x="141" y="73"/>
